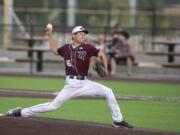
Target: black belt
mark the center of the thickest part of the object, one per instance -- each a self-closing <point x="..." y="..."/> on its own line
<point x="77" y="77"/>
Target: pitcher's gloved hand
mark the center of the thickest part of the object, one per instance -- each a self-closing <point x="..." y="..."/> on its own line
<point x="99" y="69"/>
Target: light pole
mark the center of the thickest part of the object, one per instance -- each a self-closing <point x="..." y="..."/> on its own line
<point x="133" y="10"/>
<point x="7" y="21"/>
<point x="71" y="13"/>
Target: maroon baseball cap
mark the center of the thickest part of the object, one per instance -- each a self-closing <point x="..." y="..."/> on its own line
<point x="79" y="29"/>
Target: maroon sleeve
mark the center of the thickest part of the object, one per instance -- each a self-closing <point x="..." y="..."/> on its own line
<point x="60" y="50"/>
<point x="93" y="51"/>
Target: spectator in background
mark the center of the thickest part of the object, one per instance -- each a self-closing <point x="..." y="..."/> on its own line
<point x="120" y="50"/>
<point x="100" y="44"/>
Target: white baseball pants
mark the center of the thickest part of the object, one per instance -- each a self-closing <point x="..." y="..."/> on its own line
<point x="76" y="88"/>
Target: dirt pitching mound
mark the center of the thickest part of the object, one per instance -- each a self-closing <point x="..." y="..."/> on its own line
<point x="44" y="126"/>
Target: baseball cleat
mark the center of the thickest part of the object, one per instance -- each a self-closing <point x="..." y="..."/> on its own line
<point x="1" y="114"/>
<point x="13" y="112"/>
<point x="122" y="124"/>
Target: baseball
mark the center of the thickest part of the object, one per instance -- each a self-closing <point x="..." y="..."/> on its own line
<point x="49" y="26"/>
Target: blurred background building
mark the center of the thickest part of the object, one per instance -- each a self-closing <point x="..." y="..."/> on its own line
<point x="139" y="17"/>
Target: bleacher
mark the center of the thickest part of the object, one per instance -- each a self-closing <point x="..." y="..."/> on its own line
<point x="54" y="64"/>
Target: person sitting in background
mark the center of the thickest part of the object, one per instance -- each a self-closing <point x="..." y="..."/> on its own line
<point x="100" y="44"/>
<point x="120" y="50"/>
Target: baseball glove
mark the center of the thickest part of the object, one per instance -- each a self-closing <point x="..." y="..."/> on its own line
<point x="99" y="69"/>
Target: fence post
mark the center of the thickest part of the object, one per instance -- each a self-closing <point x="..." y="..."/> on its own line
<point x="31" y="44"/>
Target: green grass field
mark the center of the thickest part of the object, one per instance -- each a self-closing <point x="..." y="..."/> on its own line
<point x="147" y="114"/>
<point x="121" y="88"/>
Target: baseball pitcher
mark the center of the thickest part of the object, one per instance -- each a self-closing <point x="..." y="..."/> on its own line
<point x="76" y="59"/>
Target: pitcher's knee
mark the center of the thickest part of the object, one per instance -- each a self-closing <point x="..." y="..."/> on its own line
<point x="109" y="92"/>
<point x="52" y="107"/>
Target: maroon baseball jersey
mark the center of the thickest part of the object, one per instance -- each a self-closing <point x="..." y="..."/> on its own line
<point x="77" y="59"/>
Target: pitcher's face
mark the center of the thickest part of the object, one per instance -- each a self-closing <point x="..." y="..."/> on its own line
<point x="79" y="37"/>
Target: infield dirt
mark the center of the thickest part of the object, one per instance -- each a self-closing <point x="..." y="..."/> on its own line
<point x="45" y="126"/>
